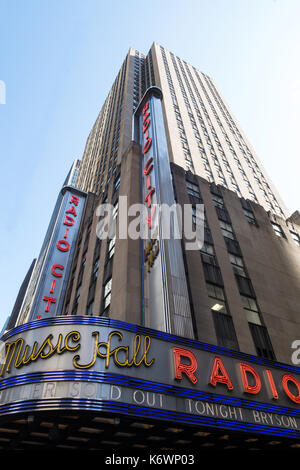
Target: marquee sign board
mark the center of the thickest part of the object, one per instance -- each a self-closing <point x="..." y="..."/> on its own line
<point x="106" y="365"/>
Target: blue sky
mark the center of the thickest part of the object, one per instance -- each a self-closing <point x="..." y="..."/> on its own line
<point x="58" y="59"/>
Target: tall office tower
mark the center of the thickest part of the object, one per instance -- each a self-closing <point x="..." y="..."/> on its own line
<point x="154" y="342"/>
<point x="202" y="134"/>
<point x="203" y="139"/>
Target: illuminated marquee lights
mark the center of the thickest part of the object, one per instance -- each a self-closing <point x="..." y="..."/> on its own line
<point x="63" y="246"/>
<point x="19" y="354"/>
<point x="185" y="362"/>
<point x="257" y="398"/>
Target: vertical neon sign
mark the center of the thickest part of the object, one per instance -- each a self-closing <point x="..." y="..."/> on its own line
<point x="165" y="296"/>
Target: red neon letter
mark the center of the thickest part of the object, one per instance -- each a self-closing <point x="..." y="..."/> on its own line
<point x="66" y="246"/>
<point x="74" y="200"/>
<point x="290" y="378"/>
<point x="148" y="197"/>
<point x="247" y="387"/>
<point x="147" y="145"/>
<point x="49" y="301"/>
<point x="219" y="374"/>
<point x="69" y="221"/>
<point x="272" y="384"/>
<point x="53" y="270"/>
<point x="148" y="167"/>
<point x="146" y="122"/>
<point x="181" y="368"/>
<point x="148" y="182"/>
<point x="146" y="106"/>
<point x="72" y="210"/>
<point x="149" y="219"/>
<point x="52" y="286"/>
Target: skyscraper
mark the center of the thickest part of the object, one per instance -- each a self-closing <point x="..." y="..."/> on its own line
<point x="139" y="338"/>
<point x="205" y="141"/>
<point x="202" y="134"/>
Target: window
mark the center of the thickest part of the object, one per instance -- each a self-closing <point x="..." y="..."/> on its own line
<point x="77" y="295"/>
<point x="244" y="285"/>
<point x="208" y="249"/>
<point x="212" y="272"/>
<point x="249" y="216"/>
<point x="193" y="189"/>
<point x="189" y="165"/>
<point x="262" y="341"/>
<point x="237" y="264"/>
<point x="236" y="188"/>
<point x="83" y="260"/>
<point x="222" y="180"/>
<point x="111" y="247"/>
<point x="227" y="230"/>
<point x="278" y="230"/>
<point x="217" y="298"/>
<point x="194" y="215"/>
<point x="251" y="308"/>
<point x="117" y="183"/>
<point x="95" y="269"/>
<point x="225" y="331"/>
<point x="209" y="175"/>
<point x="218" y="201"/>
<point x="295" y="237"/>
<point x="67" y="308"/>
<point x="223" y="214"/>
<point x="107" y="294"/>
<point x="115" y="211"/>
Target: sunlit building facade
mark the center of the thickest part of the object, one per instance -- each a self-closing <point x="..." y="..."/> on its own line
<point x="142" y="344"/>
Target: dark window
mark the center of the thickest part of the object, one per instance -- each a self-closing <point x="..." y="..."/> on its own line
<point x="96" y="267"/>
<point x="208" y="249"/>
<point x="208" y="236"/>
<point x="80" y="274"/>
<point x="262" y="341"/>
<point x="193" y="189"/>
<point x="212" y="272"/>
<point x="67" y="308"/>
<point x="225" y="331"/>
<point x="117" y="183"/>
<point x="232" y="246"/>
<point x="250" y="216"/>
<point x="227" y="230"/>
<point x="223" y="215"/>
<point x="97" y="248"/>
<point x="218" y="201"/>
<point x="245" y="286"/>
<point x="215" y="190"/>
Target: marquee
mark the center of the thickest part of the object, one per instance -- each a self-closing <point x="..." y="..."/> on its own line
<point x="105" y="365"/>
